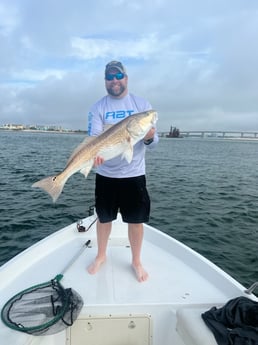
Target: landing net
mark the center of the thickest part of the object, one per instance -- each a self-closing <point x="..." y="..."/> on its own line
<point x="42" y="309"/>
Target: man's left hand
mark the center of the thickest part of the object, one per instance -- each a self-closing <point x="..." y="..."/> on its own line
<point x="150" y="134"/>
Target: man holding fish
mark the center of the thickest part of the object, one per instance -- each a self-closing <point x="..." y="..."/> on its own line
<point x="119" y="154"/>
<point x="120" y="181"/>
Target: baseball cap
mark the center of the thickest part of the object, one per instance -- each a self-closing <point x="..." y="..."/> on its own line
<point x="115" y="64"/>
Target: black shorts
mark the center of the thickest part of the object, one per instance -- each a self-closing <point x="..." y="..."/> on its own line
<point x="127" y="195"/>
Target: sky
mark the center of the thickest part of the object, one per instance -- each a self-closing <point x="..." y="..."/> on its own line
<point x="196" y="61"/>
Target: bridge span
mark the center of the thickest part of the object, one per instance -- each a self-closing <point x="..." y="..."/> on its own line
<point x="215" y="134"/>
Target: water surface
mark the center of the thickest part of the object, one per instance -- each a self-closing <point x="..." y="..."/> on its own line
<point x="204" y="193"/>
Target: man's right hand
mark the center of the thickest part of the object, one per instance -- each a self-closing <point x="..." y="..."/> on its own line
<point x="98" y="161"/>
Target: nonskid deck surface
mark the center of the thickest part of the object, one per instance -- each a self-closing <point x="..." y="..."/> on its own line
<point x="116" y="283"/>
<point x="176" y="276"/>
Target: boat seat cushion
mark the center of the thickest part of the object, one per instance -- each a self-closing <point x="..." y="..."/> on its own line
<point x="192" y="328"/>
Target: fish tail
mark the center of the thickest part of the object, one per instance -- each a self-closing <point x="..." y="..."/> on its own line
<point x="53" y="185"/>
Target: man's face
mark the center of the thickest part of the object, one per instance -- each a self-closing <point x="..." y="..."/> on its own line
<point x="116" y="87"/>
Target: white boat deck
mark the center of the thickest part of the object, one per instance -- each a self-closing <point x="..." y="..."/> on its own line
<point x="178" y="278"/>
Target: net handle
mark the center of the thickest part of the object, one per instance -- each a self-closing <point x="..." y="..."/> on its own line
<point x="71" y="262"/>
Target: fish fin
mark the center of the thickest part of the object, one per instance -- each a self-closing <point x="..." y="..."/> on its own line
<point x="128" y="152"/>
<point x="52" y="185"/>
<point x="86" y="141"/>
<point x="128" y="155"/>
<point x="87" y="168"/>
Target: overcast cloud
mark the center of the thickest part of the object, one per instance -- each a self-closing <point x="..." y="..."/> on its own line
<point x="196" y="61"/>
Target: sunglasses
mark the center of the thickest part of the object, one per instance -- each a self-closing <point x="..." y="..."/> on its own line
<point x="118" y="76"/>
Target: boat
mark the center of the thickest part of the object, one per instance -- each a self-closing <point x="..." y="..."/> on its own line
<point x="174" y="133"/>
<point x="117" y="309"/>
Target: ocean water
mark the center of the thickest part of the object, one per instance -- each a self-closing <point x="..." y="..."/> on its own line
<point x="204" y="192"/>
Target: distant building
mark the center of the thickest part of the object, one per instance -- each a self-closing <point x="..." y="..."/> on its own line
<point x="12" y="126"/>
<point x="40" y="128"/>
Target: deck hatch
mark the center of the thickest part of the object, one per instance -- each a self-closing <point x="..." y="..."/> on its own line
<point x="111" y="330"/>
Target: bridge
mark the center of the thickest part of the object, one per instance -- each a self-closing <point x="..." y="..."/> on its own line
<point x="215" y="134"/>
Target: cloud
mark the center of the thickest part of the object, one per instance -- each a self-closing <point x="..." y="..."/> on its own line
<point x="8" y="19"/>
<point x="90" y="48"/>
<point x="196" y="62"/>
<point x="31" y="76"/>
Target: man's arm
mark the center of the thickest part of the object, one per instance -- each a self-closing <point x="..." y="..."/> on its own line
<point x="151" y="137"/>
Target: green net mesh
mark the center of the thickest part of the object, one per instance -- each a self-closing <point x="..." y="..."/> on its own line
<point x="42" y="309"/>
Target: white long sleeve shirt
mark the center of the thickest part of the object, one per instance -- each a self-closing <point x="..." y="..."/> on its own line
<point x="108" y="111"/>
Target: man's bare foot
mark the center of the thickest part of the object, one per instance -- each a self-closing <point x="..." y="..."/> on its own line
<point x="140" y="272"/>
<point x="95" y="265"/>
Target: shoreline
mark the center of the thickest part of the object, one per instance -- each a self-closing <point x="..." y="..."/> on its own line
<point x="161" y="137"/>
<point x="44" y="131"/>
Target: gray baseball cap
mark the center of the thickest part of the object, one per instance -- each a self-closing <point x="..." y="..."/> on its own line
<point x="115" y="64"/>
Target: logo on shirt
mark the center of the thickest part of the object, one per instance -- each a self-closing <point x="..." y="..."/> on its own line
<point x="118" y="114"/>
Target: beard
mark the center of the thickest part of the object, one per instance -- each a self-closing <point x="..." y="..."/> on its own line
<point x="115" y="89"/>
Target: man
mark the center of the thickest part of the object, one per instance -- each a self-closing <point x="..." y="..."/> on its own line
<point x="120" y="185"/>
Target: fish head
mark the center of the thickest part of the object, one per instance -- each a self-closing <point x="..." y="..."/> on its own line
<point x="148" y="117"/>
<point x="141" y="123"/>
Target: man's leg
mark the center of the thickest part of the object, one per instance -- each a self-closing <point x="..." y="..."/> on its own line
<point x="103" y="232"/>
<point x="135" y="235"/>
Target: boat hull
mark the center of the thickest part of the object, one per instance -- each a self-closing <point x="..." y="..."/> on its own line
<point x="180" y="279"/>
